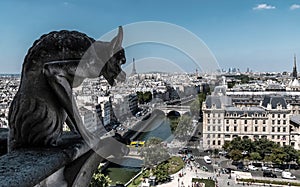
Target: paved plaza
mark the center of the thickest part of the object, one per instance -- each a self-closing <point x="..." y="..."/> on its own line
<point x="186" y="179"/>
<point x="194" y="172"/>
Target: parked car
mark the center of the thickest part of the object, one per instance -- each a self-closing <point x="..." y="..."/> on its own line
<point x="252" y="168"/>
<point x="240" y="166"/>
<point x="207" y="160"/>
<point x="236" y="163"/>
<point x="278" y="170"/>
<point x="245" y="169"/>
<point x="268" y="173"/>
<point x="265" y="168"/>
<point x="257" y="164"/>
<point x="226" y="170"/>
<point x="287" y="175"/>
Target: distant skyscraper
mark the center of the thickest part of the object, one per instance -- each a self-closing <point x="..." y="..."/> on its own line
<point x="133" y="72"/>
<point x="295" y="74"/>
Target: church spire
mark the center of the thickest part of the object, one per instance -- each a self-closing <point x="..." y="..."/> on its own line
<point x="295" y="68"/>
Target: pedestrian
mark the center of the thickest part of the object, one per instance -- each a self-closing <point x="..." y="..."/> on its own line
<point x="227" y="183"/>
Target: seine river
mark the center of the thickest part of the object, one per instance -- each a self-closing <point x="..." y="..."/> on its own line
<point x="159" y="128"/>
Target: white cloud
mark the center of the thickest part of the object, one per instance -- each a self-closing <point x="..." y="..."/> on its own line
<point x="294" y="6"/>
<point x="264" y="7"/>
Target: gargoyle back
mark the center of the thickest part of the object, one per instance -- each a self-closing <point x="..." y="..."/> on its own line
<point x="55" y="46"/>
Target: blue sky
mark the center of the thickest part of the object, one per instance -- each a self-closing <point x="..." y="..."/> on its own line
<point x="261" y="35"/>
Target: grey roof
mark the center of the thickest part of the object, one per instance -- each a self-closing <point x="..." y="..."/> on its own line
<point x="218" y="101"/>
<point x="295" y="119"/>
<point x="220" y="90"/>
<point x="245" y="110"/>
<point x="274" y="100"/>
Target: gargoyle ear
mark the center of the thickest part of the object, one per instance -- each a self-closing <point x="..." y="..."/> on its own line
<point x="116" y="43"/>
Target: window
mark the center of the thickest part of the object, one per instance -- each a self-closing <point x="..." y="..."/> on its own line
<point x="227" y="135"/>
<point x="264" y="121"/>
<point x="214" y="142"/>
<point x="278" y="136"/>
<point x="283" y="115"/>
<point x="284" y="122"/>
<point x="273" y="129"/>
<point x="234" y="121"/>
<point x="283" y="143"/>
<point x="273" y="115"/>
<point x="214" y="121"/>
<point x="273" y="136"/>
<point x="284" y="129"/>
<point x="227" y="121"/>
<point x="227" y="128"/>
<point x="208" y="121"/>
<point x="278" y="115"/>
<point x="256" y="128"/>
<point x="255" y="121"/>
<point x="214" y="128"/>
<point x="208" y="142"/>
<point x="208" y="136"/>
<point x="219" y="128"/>
<point x="273" y="122"/>
<point x="245" y="121"/>
<point x="219" y="142"/>
<point x="219" y="135"/>
<point x="245" y="128"/>
<point x="213" y="115"/>
<point x="213" y="135"/>
<point x="264" y="129"/>
<point x="292" y="144"/>
<point x="208" y="115"/>
<point x="235" y="128"/>
<point x="278" y="122"/>
<point x="219" y="121"/>
<point x="278" y="129"/>
<point x="208" y="128"/>
<point x="219" y="114"/>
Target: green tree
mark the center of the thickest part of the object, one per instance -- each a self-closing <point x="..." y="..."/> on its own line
<point x="264" y="147"/>
<point x="161" y="172"/>
<point x="196" y="105"/>
<point x="227" y="146"/>
<point x="278" y="155"/>
<point x="255" y="156"/>
<point x="153" y="152"/>
<point x="236" y="155"/>
<point x="99" y="179"/>
<point x="292" y="154"/>
<point x="184" y="128"/>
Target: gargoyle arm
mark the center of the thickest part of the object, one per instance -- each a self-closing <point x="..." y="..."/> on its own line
<point x="60" y="76"/>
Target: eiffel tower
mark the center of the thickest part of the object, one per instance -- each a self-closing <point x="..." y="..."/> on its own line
<point x="133" y="72"/>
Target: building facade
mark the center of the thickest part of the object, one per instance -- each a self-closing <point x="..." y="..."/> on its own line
<point x="223" y="121"/>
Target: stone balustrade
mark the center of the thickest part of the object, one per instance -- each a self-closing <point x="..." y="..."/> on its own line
<point x="70" y="165"/>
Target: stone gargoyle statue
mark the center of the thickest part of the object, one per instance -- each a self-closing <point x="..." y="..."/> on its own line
<point x="56" y="63"/>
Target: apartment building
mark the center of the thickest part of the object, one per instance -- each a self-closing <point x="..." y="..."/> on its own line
<point x="223" y="121"/>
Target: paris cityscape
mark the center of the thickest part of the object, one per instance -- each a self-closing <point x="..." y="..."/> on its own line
<point x="211" y="96"/>
<point x="216" y="123"/>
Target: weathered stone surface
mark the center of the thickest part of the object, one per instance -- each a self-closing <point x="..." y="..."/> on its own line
<point x="28" y="167"/>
